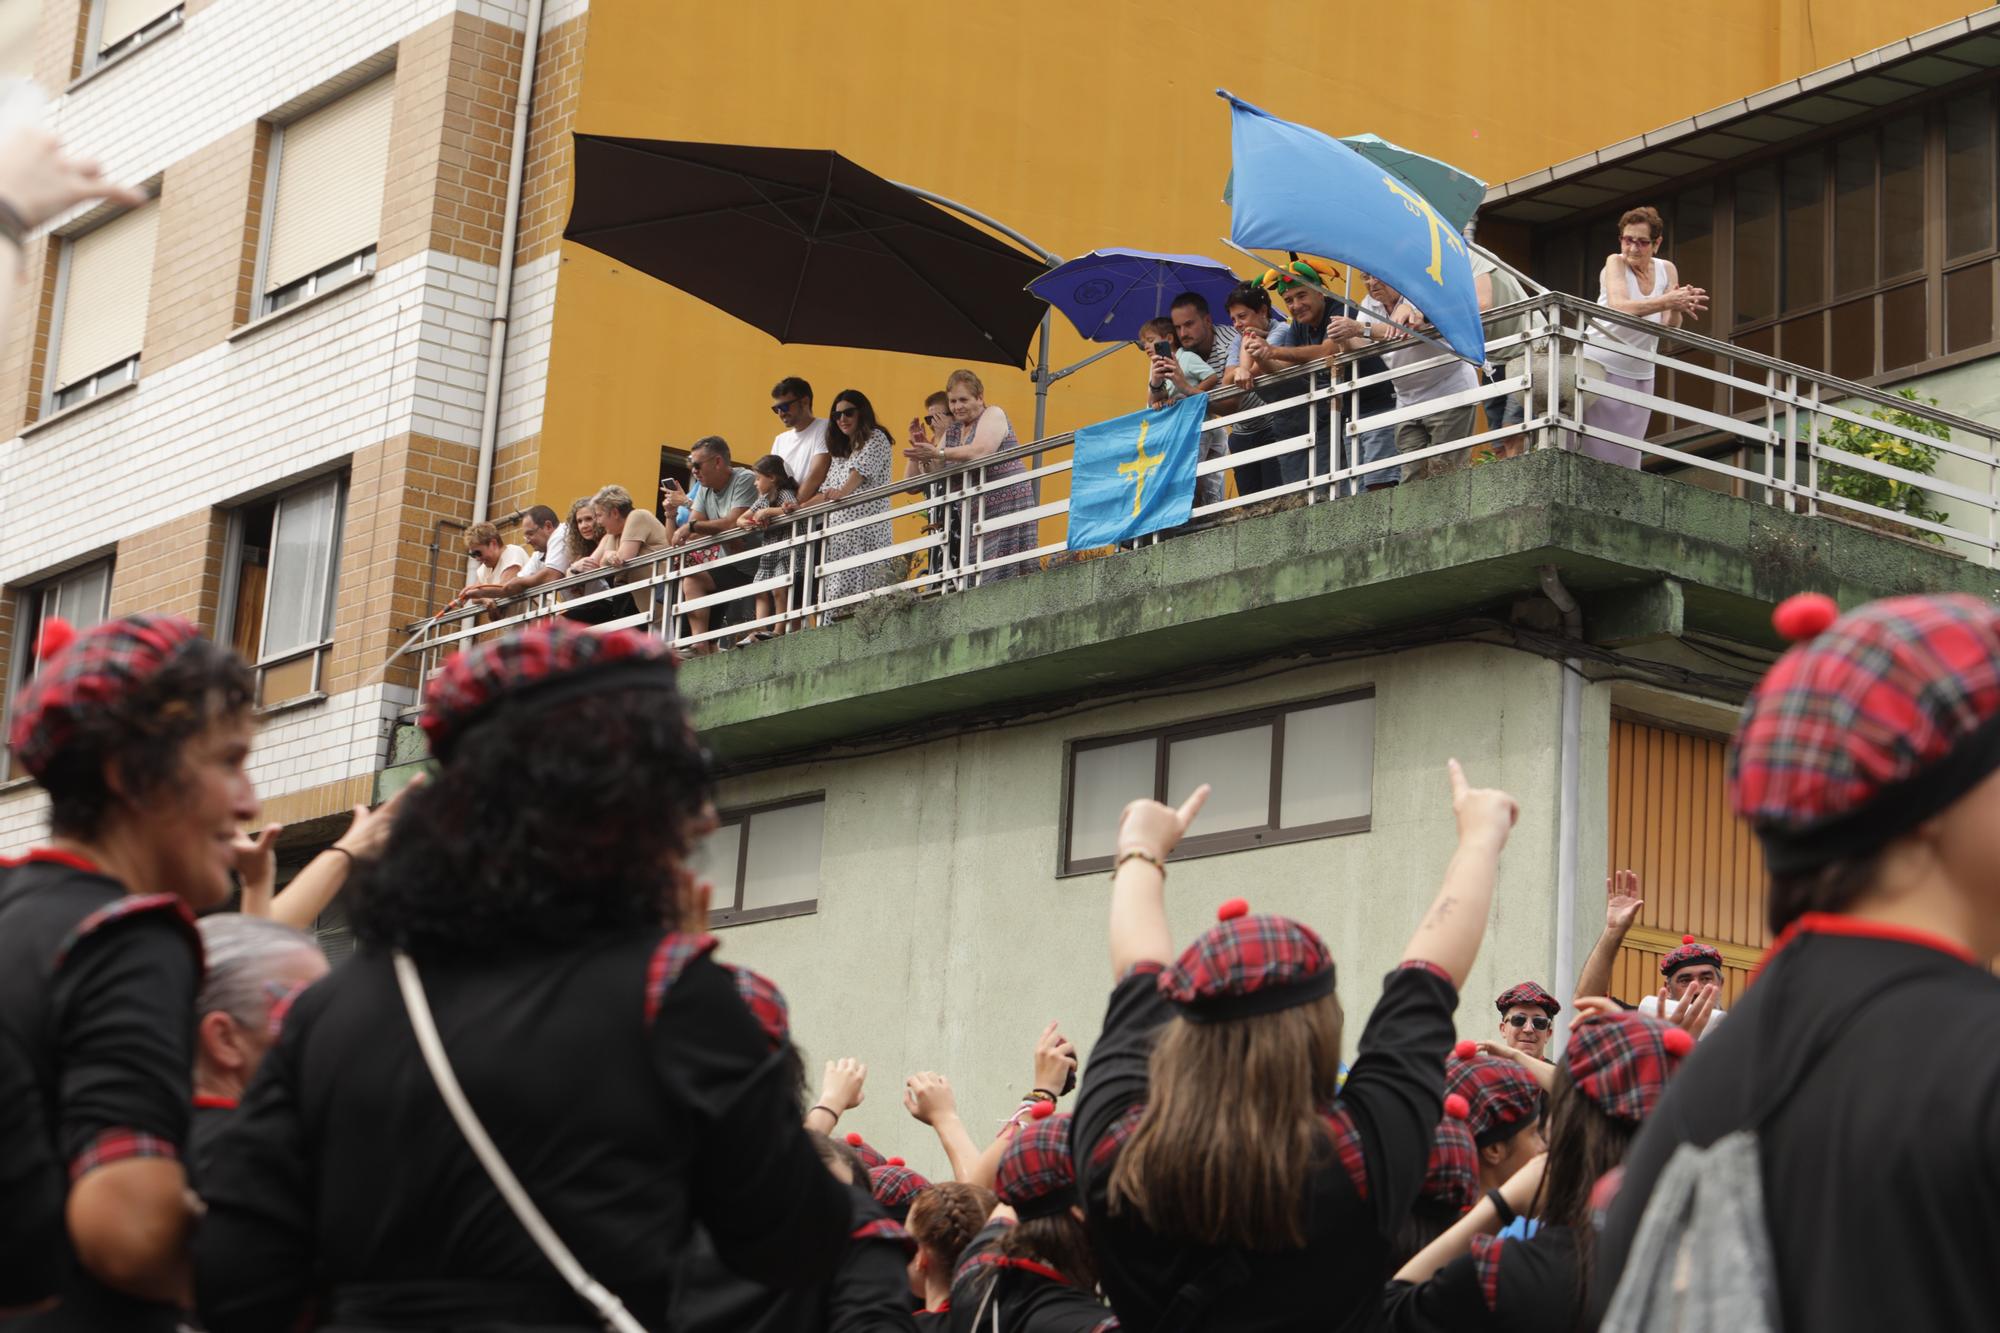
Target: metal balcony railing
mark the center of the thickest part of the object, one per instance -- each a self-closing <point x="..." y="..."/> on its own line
<point x="1722" y="417"/>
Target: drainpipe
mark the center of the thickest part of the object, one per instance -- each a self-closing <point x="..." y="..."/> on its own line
<point x="1567" y="803"/>
<point x="496" y="335"/>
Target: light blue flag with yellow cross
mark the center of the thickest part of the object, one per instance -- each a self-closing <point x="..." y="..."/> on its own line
<point x="1135" y="474"/>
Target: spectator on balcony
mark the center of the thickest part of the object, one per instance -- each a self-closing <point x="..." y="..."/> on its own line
<point x="1386" y="315"/>
<point x="490" y="563"/>
<point x="1257" y="328"/>
<point x="581" y="535"/>
<point x="1195" y="331"/>
<point x="1638" y="283"/>
<point x="1161" y="387"/>
<point x="253" y="964"/>
<point x="629" y="532"/>
<point x="727" y="493"/>
<point x="777" y="496"/>
<point x="978" y="431"/>
<point x="802" y="443"/>
<point x="1495" y="286"/>
<point x="549" y="558"/>
<point x="943" y="517"/>
<point x="1321" y="327"/>
<point x="862" y="460"/>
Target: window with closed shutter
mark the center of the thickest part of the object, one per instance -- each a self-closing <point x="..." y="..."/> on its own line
<point x="122" y="18"/>
<point x="332" y="166"/>
<point x="17" y="38"/>
<point x="109" y="275"/>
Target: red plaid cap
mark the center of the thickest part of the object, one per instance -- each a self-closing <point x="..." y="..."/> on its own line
<point x="1453" y="1174"/>
<point x="765" y="1002"/>
<point x="1249" y="965"/>
<point x="1691" y="951"/>
<point x="98" y="667"/>
<point x="528" y="662"/>
<point x="895" y="1186"/>
<point x="1500" y="1096"/>
<point x="1036" y="1177"/>
<point x="1860" y="733"/>
<point x="870" y="1158"/>
<point x="1621" y="1061"/>
<point x="1528" y="993"/>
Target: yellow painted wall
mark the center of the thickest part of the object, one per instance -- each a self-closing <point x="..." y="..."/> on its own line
<point x="1086" y="125"/>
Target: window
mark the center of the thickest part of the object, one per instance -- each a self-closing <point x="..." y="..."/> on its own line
<point x="1285" y="774"/>
<point x="764" y="861"/>
<point x="119" y="26"/>
<point x="326" y="211"/>
<point x="280" y="572"/>
<point x="82" y="597"/>
<point x="105" y="279"/>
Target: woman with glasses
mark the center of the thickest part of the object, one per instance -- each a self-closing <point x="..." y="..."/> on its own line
<point x="979" y="431"/>
<point x="861" y="461"/>
<point x="1635" y="282"/>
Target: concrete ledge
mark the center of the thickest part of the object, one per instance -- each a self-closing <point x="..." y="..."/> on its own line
<point x="1303" y="579"/>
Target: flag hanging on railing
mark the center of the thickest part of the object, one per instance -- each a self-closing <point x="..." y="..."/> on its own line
<point x="1135" y="474"/>
<point x="1294" y="188"/>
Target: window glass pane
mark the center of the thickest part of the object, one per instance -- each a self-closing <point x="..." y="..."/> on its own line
<point x="1107" y="777"/>
<point x="714" y="860"/>
<point x="1329" y="768"/>
<point x="1968" y="175"/>
<point x="1803" y="340"/>
<point x="1805" y="229"/>
<point x="1756" y="243"/>
<point x="81" y="598"/>
<point x="1854" y="213"/>
<point x="1691" y="242"/>
<point x="1968" y="308"/>
<point x="1237" y="764"/>
<point x="1903" y="196"/>
<point x="782" y="860"/>
<point x="301" y="558"/>
<point x="1904" y="315"/>
<point x="1854" y="339"/>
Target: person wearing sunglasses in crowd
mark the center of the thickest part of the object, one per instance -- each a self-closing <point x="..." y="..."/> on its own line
<point x="802" y="442"/>
<point x="1528" y="1018"/>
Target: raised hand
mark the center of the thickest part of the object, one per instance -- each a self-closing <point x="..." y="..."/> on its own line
<point x="1156" y="829"/>
<point x="1055" y="1060"/>
<point x="1695" y="1008"/>
<point x="1483" y="812"/>
<point x="928" y="1097"/>
<point x="840" y="1086"/>
<point x="40" y="181"/>
<point x="1622" y="900"/>
<point x="255" y="860"/>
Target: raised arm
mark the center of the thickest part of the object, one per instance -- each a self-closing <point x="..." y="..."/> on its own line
<point x="929" y="1099"/>
<point x="1621" y="908"/>
<point x="1450" y="931"/>
<point x="1147" y="833"/>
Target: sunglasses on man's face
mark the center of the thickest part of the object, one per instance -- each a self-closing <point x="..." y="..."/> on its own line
<point x="1519" y="1021"/>
<point x="785" y="407"/>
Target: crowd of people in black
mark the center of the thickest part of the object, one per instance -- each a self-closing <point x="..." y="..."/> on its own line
<point x="535" y="1099"/>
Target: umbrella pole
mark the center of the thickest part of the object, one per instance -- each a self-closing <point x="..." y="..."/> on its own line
<point x="1042" y="382"/>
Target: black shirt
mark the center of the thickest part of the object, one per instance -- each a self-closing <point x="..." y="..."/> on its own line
<point x="1378" y="1151"/>
<point x="624" y="1082"/>
<point x="97" y="994"/>
<point x="1881" y="1171"/>
<point x="212" y="1116"/>
<point x="868" y="1293"/>
<point x="1029" y="1297"/>
<point x="1378" y="397"/>
<point x="1510" y="1286"/>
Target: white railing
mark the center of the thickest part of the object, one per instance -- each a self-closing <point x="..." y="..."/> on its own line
<point x="1728" y="419"/>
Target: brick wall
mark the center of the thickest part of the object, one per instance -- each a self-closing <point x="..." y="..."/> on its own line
<point x="30" y="319"/>
<point x="175" y="567"/>
<point x="545" y="179"/>
<point x="211" y="207"/>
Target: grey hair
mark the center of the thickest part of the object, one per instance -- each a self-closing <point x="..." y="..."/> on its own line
<point x="242" y="955"/>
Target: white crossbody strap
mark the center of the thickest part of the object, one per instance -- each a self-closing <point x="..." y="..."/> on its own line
<point x="609" y="1308"/>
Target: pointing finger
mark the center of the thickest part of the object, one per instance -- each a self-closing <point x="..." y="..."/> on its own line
<point x="1193" y="804"/>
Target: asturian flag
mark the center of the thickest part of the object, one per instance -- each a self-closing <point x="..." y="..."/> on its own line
<point x="1135" y="474"/>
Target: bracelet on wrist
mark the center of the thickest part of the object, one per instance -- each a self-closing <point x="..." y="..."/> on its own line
<point x="1501" y="1206"/>
<point x="1039" y="1095"/>
<point x="1139" y="854"/>
<point x="336" y="847"/>
<point x="822" y="1106"/>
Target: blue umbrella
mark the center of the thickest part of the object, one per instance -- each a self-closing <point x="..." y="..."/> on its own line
<point x="1108" y="294"/>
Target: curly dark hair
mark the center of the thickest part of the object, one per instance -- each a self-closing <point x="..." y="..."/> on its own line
<point x="144" y="731"/>
<point x="480" y="860"/>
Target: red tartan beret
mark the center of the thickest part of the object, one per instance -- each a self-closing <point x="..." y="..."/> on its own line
<point x="533" y="662"/>
<point x="895" y="1186"/>
<point x="1248" y="965"/>
<point x="1453" y="1174"/>
<point x="1621" y="1061"/>
<point x="1691" y="951"/>
<point x="1500" y="1096"/>
<point x="1528" y="993"/>
<point x="765" y="1002"/>
<point x="1036" y="1177"/>
<point x="91" y="670"/>
<point x="1859" y="734"/>
<point x="870" y="1158"/>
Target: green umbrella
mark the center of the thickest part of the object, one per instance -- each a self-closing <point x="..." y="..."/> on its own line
<point x="1455" y="195"/>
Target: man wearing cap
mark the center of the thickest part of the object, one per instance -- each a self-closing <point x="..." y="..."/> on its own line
<point x="1863" y="1057"/>
<point x="1527" y="1018"/>
<point x="1323" y="326"/>
<point x="1692" y="972"/>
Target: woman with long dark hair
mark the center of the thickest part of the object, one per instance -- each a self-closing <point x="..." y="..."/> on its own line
<point x="1611" y="1076"/>
<point x="617" y="1071"/>
<point x="1232" y="1181"/>
<point x="138" y="730"/>
<point x="1031" y="1269"/>
<point x="862" y="461"/>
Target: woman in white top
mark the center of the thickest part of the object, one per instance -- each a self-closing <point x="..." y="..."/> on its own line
<point x="1635" y="282"/>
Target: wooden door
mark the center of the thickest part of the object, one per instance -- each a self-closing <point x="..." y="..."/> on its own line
<point x="1700" y="867"/>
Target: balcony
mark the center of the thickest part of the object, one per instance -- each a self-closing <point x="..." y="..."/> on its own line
<point x="1675" y="564"/>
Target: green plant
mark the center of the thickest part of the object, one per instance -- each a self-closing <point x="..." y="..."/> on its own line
<point x="1899" y="497"/>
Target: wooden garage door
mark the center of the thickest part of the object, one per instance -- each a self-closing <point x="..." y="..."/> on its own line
<point x="1700" y="866"/>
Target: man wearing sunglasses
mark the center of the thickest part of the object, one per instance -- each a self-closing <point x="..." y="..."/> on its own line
<point x="802" y="442"/>
<point x="1528" y="1018"/>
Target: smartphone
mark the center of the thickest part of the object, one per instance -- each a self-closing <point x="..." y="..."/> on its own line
<point x="1163" y="349"/>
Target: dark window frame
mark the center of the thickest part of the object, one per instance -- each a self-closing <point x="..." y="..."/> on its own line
<point x="1229" y="840"/>
<point x="734" y="914"/>
<point x="29" y="615"/>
